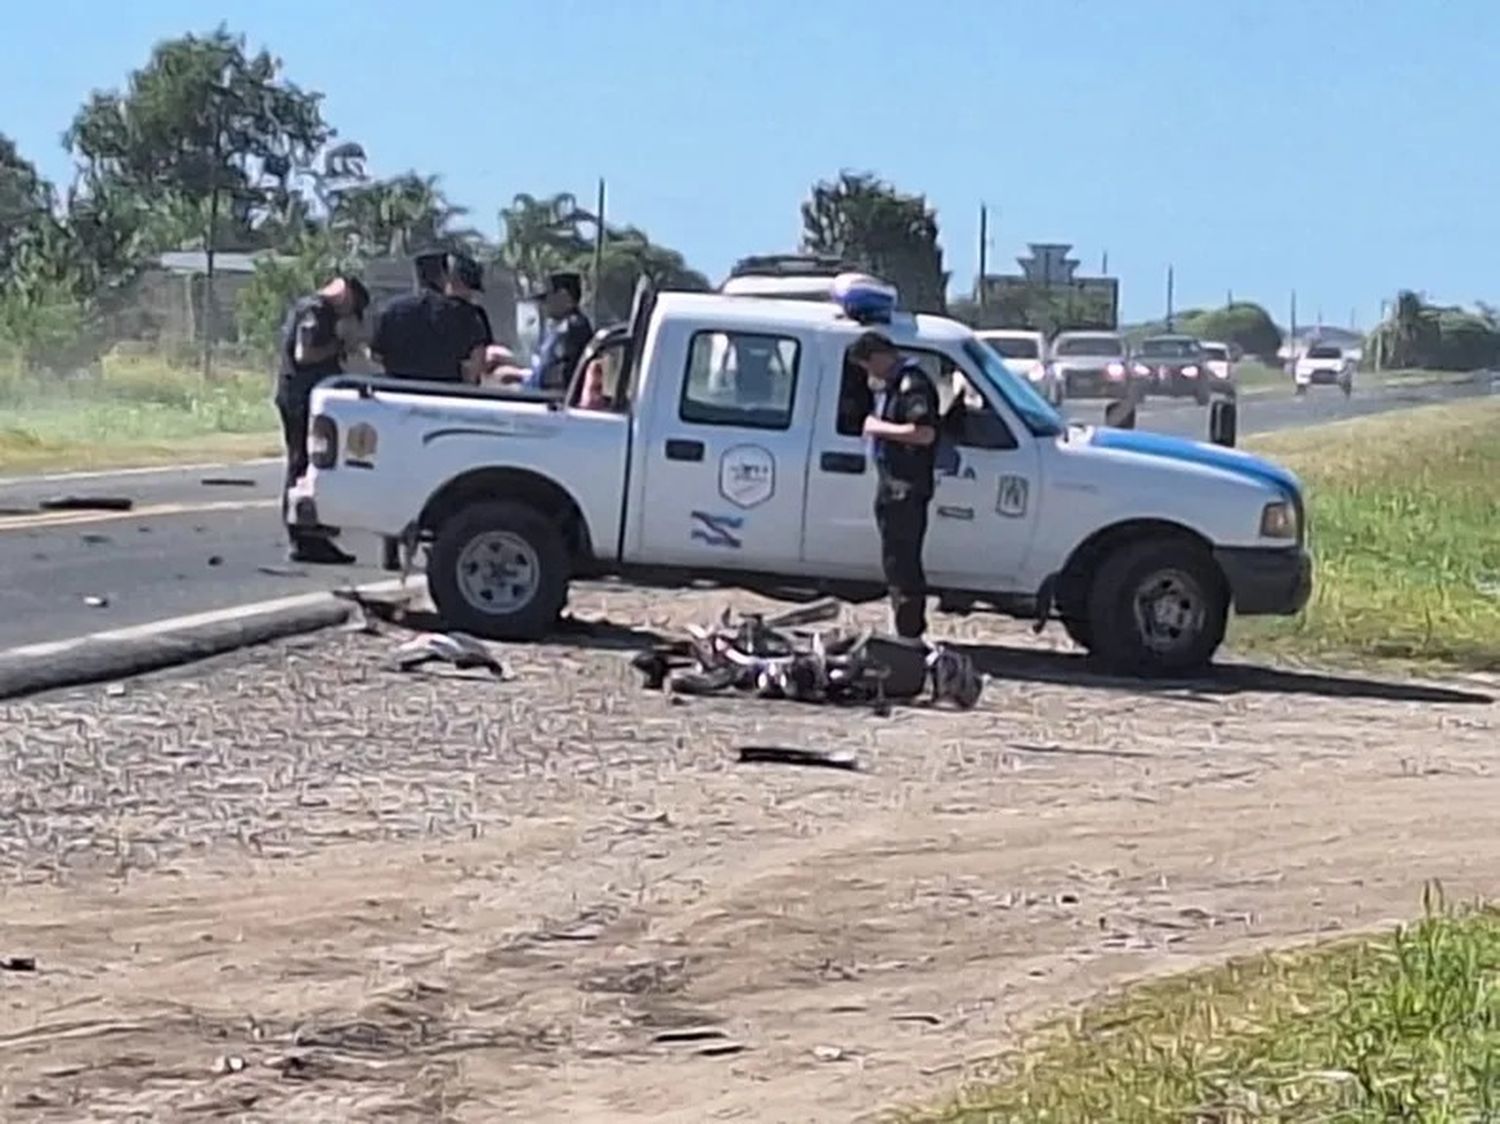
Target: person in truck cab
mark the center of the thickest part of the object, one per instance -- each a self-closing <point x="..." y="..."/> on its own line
<point x="567" y="333"/>
<point x="902" y="428"/>
<point x="313" y="348"/>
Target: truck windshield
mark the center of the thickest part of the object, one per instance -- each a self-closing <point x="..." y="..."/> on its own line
<point x="1039" y="416"/>
<point x="1013" y="347"/>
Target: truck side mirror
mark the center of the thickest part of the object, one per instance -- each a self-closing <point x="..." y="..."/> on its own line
<point x="1223" y="422"/>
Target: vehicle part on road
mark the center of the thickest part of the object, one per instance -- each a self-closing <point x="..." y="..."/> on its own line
<point x="463" y="652"/>
<point x="751" y="656"/>
<point x="499" y="570"/>
<point x="1223" y="423"/>
<point x="96" y="602"/>
<point x="788" y="755"/>
<point x="87" y="503"/>
<point x="1120" y="413"/>
<point x="1157" y="607"/>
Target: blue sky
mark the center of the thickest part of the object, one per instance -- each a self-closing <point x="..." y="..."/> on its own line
<point x="1342" y="147"/>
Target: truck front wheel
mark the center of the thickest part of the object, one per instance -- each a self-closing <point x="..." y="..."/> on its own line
<point x="1157" y="608"/>
<point x="499" y="570"/>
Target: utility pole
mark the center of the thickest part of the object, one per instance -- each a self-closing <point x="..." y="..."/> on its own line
<point x="598" y="253"/>
<point x="984" y="254"/>
<point x="1228" y="298"/>
<point x="1104" y="265"/>
<point x="1170" y="280"/>
<point x="1291" y="336"/>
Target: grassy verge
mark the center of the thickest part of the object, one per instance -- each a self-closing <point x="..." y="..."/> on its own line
<point x="1400" y="1027"/>
<point x="1403" y="511"/>
<point x="135" y="410"/>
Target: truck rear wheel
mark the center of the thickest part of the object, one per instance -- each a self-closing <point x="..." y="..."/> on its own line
<point x="1157" y="608"/>
<point x="499" y="570"/>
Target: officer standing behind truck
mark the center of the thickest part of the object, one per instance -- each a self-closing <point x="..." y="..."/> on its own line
<point x="312" y="349"/>
<point x="433" y="334"/>
<point x="902" y="428"/>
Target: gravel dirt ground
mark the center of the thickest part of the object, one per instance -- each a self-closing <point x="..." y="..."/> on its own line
<point x="294" y="885"/>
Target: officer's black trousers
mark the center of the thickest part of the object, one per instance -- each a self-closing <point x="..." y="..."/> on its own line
<point x="901" y="516"/>
<point x="294" y="409"/>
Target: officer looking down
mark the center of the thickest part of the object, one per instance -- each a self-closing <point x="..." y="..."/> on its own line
<point x="313" y="348"/>
<point x="903" y="429"/>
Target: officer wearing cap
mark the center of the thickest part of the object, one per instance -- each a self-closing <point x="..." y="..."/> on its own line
<point x="567" y="335"/>
<point x="902" y="427"/>
<point x="436" y="333"/>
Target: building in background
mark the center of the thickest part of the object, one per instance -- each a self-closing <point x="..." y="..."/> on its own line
<point x="1048" y="294"/>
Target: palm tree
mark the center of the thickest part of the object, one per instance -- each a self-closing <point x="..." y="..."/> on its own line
<point x="542" y="235"/>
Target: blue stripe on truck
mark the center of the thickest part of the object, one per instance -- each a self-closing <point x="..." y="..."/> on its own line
<point x="1197" y="452"/>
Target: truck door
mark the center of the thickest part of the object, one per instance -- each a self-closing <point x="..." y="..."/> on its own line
<point x="723" y="450"/>
<point x="983" y="511"/>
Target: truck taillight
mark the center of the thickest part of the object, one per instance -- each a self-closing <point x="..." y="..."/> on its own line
<point x="323" y="442"/>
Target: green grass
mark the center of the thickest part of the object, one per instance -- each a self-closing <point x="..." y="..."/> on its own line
<point x="136" y="410"/>
<point x="1402" y="1027"/>
<point x="1405" y="531"/>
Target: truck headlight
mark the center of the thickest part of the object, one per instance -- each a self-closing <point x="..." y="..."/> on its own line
<point x="1278" y="520"/>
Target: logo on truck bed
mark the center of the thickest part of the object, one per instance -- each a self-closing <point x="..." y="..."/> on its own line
<point x="747" y="475"/>
<point x="717" y="530"/>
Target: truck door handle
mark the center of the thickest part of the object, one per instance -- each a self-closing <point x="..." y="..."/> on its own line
<point x="947" y="512"/>
<point x="682" y="449"/>
<point x="846" y="464"/>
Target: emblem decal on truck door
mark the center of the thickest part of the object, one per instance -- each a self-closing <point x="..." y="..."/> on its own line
<point x="717" y="530"/>
<point x="747" y="475"/>
<point x="1011" y="501"/>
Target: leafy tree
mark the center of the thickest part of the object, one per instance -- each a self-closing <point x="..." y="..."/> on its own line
<point x="399" y="216"/>
<point x="1446" y="339"/>
<point x="892" y="235"/>
<point x="204" y="131"/>
<point x="26" y="202"/>
<point x="548" y="235"/>
<point x="542" y="236"/>
<point x="1247" y="326"/>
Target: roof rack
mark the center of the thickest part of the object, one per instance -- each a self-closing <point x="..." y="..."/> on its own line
<point x="790" y="265"/>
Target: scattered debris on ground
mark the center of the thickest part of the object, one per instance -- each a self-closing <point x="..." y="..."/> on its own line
<point x="459" y="649"/>
<point x="777" y="657"/>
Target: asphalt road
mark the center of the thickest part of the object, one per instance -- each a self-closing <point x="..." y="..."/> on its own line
<point x="191" y="544"/>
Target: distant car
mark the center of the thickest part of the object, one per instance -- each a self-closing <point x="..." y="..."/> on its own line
<point x="1219" y="359"/>
<point x="1175" y="366"/>
<point x="1324" y="364"/>
<point x="1092" y="364"/>
<point x="1024" y="353"/>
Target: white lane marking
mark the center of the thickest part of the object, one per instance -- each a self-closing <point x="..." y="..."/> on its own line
<point x="45" y="520"/>
<point x="151" y="470"/>
<point x="196" y="620"/>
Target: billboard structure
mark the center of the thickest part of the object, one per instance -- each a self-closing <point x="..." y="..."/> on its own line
<point x="1048" y="295"/>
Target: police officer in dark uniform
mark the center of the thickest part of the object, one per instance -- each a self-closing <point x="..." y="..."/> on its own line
<point x="312" y="349"/>
<point x="567" y="334"/>
<point x="431" y="334"/>
<point x="903" y="429"/>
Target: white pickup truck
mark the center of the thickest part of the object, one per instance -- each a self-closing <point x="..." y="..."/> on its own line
<point x="727" y="448"/>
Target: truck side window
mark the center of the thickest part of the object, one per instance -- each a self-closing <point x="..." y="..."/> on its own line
<point x="856" y="401"/>
<point x="740" y="379"/>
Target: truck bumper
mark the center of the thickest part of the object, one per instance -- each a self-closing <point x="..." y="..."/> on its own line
<point x="1267" y="581"/>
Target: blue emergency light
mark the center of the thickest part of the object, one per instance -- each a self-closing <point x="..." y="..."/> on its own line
<point x="865" y="299"/>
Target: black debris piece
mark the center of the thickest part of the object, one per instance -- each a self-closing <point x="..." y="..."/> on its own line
<point x="87" y="503"/>
<point x="227" y="482"/>
<point x="787" y="755"/>
<point x="17" y="963"/>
